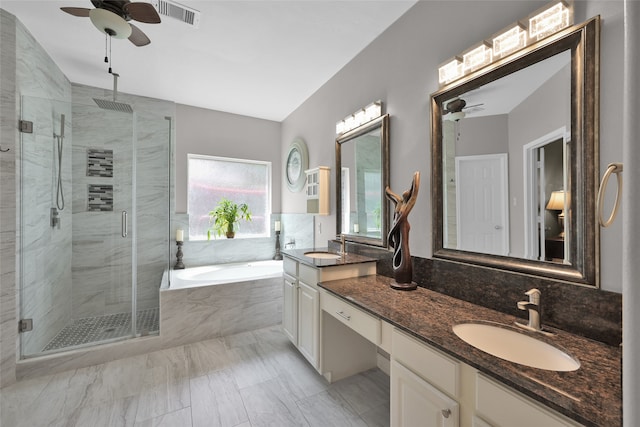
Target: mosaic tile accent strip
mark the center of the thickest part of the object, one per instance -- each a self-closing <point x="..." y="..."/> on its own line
<point x="99" y="162"/>
<point x="102" y="328"/>
<point x="100" y="198"/>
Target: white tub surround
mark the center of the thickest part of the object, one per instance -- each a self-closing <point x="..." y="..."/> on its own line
<point x="187" y="315"/>
<point x="198" y="309"/>
<point x="225" y="274"/>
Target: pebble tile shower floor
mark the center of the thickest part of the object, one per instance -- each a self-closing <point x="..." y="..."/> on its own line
<point x="101" y="328"/>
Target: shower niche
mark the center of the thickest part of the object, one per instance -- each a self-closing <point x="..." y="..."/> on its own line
<point x="93" y="277"/>
<point x="99" y="162"/>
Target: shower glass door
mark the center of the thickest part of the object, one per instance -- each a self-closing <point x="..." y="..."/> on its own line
<point x="77" y="225"/>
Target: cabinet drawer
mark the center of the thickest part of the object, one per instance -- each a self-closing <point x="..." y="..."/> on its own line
<point x="504" y="408"/>
<point x="361" y="322"/>
<point x="308" y="275"/>
<point x="435" y="367"/>
<point x="290" y="266"/>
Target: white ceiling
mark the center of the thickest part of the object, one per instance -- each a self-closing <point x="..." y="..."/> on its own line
<point x="257" y="58"/>
<point x="503" y="95"/>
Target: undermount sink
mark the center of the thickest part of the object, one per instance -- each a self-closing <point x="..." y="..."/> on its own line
<point x="321" y="255"/>
<point x="507" y="343"/>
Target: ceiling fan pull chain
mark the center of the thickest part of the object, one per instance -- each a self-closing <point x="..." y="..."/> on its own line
<point x="110" y="72"/>
<point x="106" y="58"/>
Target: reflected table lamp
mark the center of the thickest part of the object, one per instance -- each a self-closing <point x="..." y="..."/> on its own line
<point x="556" y="203"/>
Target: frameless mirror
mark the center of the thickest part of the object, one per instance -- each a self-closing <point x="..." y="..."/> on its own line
<point x="362" y="174"/>
<point x="515" y="161"/>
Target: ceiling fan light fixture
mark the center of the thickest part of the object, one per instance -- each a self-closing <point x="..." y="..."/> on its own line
<point x="109" y="23"/>
<point x="454" y="117"/>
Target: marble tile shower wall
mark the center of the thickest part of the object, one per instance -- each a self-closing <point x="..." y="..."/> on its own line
<point x="101" y="268"/>
<point x="45" y="250"/>
<point x="103" y="285"/>
<point x="46" y="274"/>
<point x="26" y="70"/>
<point x="296" y="228"/>
<point x="8" y="138"/>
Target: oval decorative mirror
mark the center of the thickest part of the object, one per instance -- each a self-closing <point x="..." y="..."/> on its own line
<point x="296" y="162"/>
<point x="362" y="174"/>
<point x="515" y="161"/>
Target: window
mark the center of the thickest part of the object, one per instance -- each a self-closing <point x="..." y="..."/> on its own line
<point x="242" y="181"/>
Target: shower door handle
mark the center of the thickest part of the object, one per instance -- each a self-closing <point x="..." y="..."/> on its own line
<point x="124" y="224"/>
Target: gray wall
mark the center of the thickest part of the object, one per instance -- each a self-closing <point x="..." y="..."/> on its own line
<point x="483" y="135"/>
<point x="555" y="94"/>
<point x="400" y="68"/>
<point x="215" y="133"/>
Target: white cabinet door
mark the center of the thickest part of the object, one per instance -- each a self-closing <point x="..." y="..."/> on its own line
<point x="290" y="309"/>
<point x="415" y="402"/>
<point x="308" y="323"/>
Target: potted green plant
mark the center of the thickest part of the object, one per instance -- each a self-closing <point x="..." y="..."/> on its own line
<point x="226" y="216"/>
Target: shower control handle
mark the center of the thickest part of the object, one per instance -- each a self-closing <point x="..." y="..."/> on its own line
<point x="124" y="224"/>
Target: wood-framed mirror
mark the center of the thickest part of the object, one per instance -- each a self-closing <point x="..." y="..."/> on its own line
<point x="362" y="174"/>
<point x="515" y="161"/>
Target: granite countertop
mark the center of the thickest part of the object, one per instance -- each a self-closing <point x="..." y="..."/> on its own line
<point x="349" y="258"/>
<point x="592" y="395"/>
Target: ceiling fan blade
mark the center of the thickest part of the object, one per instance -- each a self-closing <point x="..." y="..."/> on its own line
<point x="142" y="12"/>
<point x="137" y="37"/>
<point x="77" y="11"/>
<point x="472" y="106"/>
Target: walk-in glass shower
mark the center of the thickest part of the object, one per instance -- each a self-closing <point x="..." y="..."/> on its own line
<point x="94" y="222"/>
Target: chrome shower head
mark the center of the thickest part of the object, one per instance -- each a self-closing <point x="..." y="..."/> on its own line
<point x="114" y="105"/>
<point x="107" y="104"/>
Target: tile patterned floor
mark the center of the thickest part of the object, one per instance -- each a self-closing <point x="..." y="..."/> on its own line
<point x="102" y="328"/>
<point x="247" y="380"/>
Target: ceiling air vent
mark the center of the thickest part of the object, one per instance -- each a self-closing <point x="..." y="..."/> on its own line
<point x="177" y="11"/>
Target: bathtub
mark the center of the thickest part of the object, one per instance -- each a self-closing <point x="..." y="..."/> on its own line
<point x="202" y="303"/>
<point x="225" y="273"/>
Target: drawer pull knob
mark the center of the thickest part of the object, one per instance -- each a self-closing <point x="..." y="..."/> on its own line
<point x="446" y="413"/>
<point x="343" y="315"/>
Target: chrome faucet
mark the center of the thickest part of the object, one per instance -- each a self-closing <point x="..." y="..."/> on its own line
<point x="533" y="306"/>
<point x="290" y="244"/>
<point x="343" y="250"/>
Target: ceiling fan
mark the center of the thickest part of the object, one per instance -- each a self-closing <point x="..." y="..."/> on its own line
<point x="454" y="109"/>
<point x="112" y="18"/>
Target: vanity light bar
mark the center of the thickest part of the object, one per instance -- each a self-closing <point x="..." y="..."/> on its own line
<point x="542" y="23"/>
<point x="451" y="71"/>
<point x="477" y="57"/>
<point x="510" y="41"/>
<point x="360" y="117"/>
<point x="549" y="21"/>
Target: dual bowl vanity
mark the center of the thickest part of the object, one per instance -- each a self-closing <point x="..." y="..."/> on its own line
<point x="530" y="120"/>
<point x="344" y="318"/>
